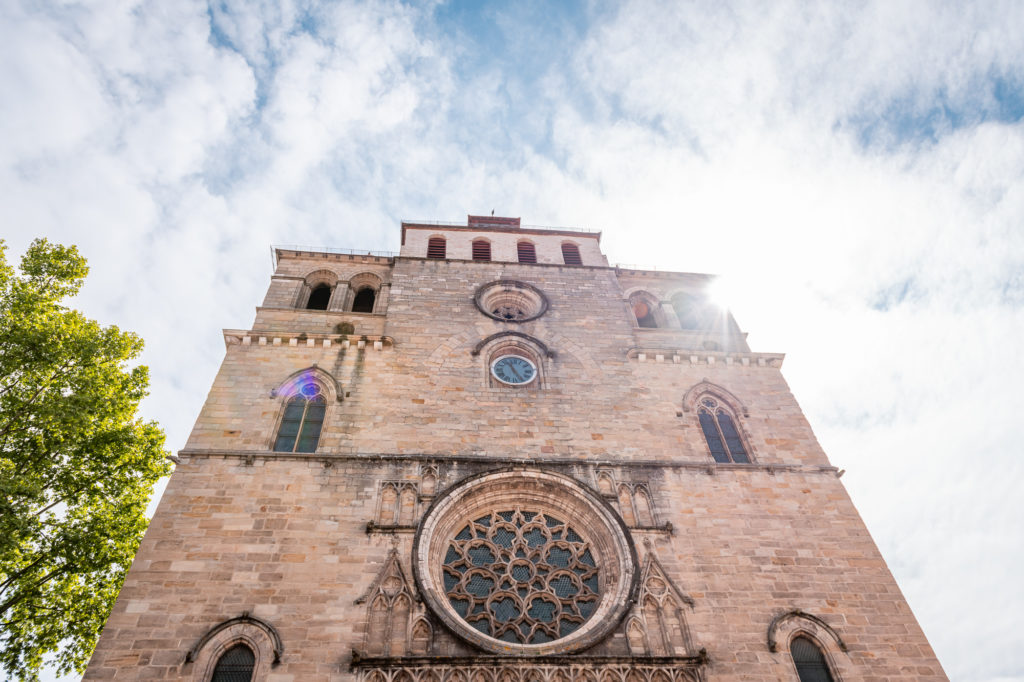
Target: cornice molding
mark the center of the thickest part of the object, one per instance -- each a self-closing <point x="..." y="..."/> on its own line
<point x="239" y="337"/>
<point x="329" y="458"/>
<point x="680" y="356"/>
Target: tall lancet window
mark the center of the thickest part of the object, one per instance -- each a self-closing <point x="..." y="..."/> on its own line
<point x="810" y="662"/>
<point x="235" y="665"/>
<point x="303" y="420"/>
<point x="721" y="432"/>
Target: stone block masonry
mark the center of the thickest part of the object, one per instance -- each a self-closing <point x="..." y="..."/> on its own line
<point x="306" y="558"/>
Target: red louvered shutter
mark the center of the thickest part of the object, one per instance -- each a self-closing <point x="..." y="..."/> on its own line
<point x="436" y="247"/>
<point x="481" y="250"/>
<point x="571" y="254"/>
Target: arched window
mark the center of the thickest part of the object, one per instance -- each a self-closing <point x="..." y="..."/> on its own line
<point x="436" y="247"/>
<point x="720" y="432"/>
<point x="235" y="665"/>
<point x="364" y="300"/>
<point x="527" y="252"/>
<point x="693" y="312"/>
<point x="319" y="297"/>
<point x="645" y="310"/>
<point x="810" y="662"/>
<point x="571" y="254"/>
<point x="302" y="421"/>
<point x="481" y="249"/>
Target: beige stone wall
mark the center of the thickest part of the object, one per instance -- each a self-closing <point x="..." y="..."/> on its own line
<point x="427" y="393"/>
<point x="285" y="538"/>
<point x="503" y="244"/>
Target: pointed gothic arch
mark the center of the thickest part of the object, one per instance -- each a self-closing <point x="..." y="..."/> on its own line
<point x="705" y="386"/>
<point x="801" y="635"/>
<point x="718" y="412"/>
<point x="255" y="634"/>
<point x="421" y="637"/>
<point x="786" y="624"/>
<point x="659" y="612"/>
<point x="305" y="396"/>
<point x="291" y="385"/>
<point x="389" y="600"/>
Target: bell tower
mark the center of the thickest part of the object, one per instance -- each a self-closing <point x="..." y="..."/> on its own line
<point x="494" y="456"/>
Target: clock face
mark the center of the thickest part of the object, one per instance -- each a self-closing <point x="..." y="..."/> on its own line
<point x="512" y="369"/>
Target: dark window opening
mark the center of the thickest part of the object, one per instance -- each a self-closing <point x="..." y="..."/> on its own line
<point x="481" y="250"/>
<point x="319" y="298"/>
<point x="810" y="662"/>
<point x="436" y="247"/>
<point x="644" y="315"/>
<point x="303" y="419"/>
<point x="571" y="254"/>
<point x="235" y="665"/>
<point x="721" y="434"/>
<point x="527" y="252"/>
<point x="364" y="300"/>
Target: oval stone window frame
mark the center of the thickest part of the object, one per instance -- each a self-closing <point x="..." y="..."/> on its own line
<point x="543" y="492"/>
<point x="507" y="293"/>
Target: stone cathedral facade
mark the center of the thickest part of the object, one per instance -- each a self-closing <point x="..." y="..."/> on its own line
<point x="493" y="457"/>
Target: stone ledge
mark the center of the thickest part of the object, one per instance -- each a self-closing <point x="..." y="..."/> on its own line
<point x="708" y="467"/>
<point x="678" y="356"/>
<point x="238" y="337"/>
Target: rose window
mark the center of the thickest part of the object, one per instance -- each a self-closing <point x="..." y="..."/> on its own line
<point x="510" y="301"/>
<point x="521" y="576"/>
<point x="509" y="308"/>
<point x="525" y="562"/>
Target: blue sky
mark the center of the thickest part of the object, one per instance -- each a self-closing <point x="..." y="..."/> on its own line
<point x="854" y="170"/>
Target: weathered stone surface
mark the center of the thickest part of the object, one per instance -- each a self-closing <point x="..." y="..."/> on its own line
<point x="302" y="542"/>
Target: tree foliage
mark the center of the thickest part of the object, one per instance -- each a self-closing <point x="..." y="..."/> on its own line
<point x="77" y="466"/>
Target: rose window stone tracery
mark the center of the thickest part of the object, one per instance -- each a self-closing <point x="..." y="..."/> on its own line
<point x="525" y="562"/>
<point x="521" y="576"/>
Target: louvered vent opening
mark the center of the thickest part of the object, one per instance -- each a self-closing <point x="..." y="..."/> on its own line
<point x="481" y="250"/>
<point x="527" y="254"/>
<point x="571" y="254"/>
<point x="436" y="248"/>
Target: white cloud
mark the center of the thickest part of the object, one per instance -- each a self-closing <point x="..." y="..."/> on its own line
<point x="850" y="169"/>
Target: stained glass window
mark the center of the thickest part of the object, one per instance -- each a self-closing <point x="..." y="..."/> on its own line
<point x="720" y="432"/>
<point x="303" y="419"/>
<point x="521" y="576"/>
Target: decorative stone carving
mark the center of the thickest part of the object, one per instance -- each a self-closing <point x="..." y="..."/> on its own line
<point x="657" y="626"/>
<point x="461" y="529"/>
<point x="521" y="576"/>
<point x="511" y="301"/>
<point x="506" y="669"/>
<point x="389" y="602"/>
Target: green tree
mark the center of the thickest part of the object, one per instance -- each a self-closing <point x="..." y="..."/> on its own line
<point x="77" y="466"/>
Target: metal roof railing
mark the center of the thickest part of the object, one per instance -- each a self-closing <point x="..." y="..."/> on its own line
<point x="332" y="249"/>
<point x="327" y="249"/>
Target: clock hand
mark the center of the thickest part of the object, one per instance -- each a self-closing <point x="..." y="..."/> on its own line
<point x="512" y="369"/>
